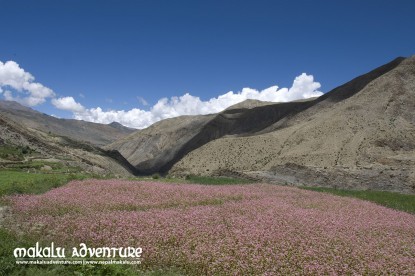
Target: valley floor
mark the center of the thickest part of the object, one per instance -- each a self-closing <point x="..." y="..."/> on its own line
<point x="196" y="229"/>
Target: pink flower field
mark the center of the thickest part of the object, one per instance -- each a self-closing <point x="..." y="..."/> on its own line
<point x="216" y="230"/>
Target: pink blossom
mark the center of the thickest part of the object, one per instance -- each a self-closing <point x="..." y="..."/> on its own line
<point x="236" y="229"/>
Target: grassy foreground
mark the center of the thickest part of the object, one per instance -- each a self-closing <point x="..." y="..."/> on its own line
<point x="402" y="202"/>
<point x="254" y="229"/>
<point x="19" y="182"/>
<point x="216" y="180"/>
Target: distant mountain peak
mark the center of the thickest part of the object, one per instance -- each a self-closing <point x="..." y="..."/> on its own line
<point x="248" y="103"/>
<point x="115" y="124"/>
<point x="15" y="105"/>
<point x="120" y="126"/>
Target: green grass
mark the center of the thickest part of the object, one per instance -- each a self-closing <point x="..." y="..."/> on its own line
<point x="19" y="182"/>
<point x="402" y="202"/>
<point x="191" y="179"/>
<point x="13" y="153"/>
<point x="37" y="165"/>
<point x="205" y="180"/>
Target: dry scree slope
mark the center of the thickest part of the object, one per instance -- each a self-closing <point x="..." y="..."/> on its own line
<point x="360" y="135"/>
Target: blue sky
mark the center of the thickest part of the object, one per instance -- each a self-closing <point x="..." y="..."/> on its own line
<point x="111" y="54"/>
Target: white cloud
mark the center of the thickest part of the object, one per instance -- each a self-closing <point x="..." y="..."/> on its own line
<point x="18" y="85"/>
<point x="68" y="103"/>
<point x="142" y="101"/>
<point x="135" y="117"/>
<point x="303" y="87"/>
<point x="26" y="91"/>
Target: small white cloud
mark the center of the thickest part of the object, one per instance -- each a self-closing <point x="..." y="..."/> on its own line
<point x="303" y="87"/>
<point x="68" y="103"/>
<point x="142" y="101"/>
<point x="81" y="95"/>
<point x="26" y="91"/>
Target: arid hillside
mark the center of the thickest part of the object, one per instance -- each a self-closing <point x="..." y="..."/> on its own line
<point x="360" y="135"/>
<point x="150" y="149"/>
<point x="22" y="146"/>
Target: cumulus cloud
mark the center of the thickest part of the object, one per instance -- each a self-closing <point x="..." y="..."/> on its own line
<point x="69" y="104"/>
<point x="18" y="85"/>
<point x="303" y="87"/>
<point x="25" y="89"/>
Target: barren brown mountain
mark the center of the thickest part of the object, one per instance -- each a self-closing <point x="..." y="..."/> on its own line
<point x="359" y="135"/>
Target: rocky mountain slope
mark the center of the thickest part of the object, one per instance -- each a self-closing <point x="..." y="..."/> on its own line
<point x="360" y="135"/>
<point x="58" y="150"/>
<point x="152" y="149"/>
<point x="158" y="147"/>
<point x="97" y="134"/>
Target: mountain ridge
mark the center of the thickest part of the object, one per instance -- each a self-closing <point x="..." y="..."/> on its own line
<point x="360" y="135"/>
<point x="238" y="120"/>
<point x="365" y="141"/>
<point x="94" y="133"/>
<point x="60" y="149"/>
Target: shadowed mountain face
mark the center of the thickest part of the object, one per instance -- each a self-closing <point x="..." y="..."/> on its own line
<point x="152" y="148"/>
<point x="360" y="135"/>
<point x="159" y="147"/>
<point x="97" y="134"/>
<point x="215" y="144"/>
